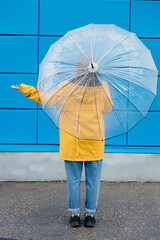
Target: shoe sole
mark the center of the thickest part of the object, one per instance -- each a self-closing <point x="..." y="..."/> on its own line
<point x="75" y="225"/>
<point x="89" y="224"/>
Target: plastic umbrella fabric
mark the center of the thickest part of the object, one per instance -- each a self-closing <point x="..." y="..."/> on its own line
<point x="97" y="81"/>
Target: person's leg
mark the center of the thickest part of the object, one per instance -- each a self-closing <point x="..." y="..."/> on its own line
<point x="73" y="173"/>
<point x="92" y="175"/>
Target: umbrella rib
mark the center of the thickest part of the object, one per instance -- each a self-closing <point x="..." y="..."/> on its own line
<point x="91" y="44"/>
<point x="61" y="88"/>
<point x="72" y="65"/>
<point x="61" y="62"/>
<point x="131" y="68"/>
<point x="95" y="88"/>
<point x="129" y="35"/>
<point x="112" y="105"/>
<point x="69" y="70"/>
<point x="77" y="44"/>
<point x="81" y="104"/>
<point x="125" y="53"/>
<point x="96" y="108"/>
<point x="70" y="51"/>
<point x="114" y="75"/>
<point x="124" y="96"/>
<point x="45" y="79"/>
<point x="134" y="67"/>
<point x="70" y="95"/>
<point x="102" y="49"/>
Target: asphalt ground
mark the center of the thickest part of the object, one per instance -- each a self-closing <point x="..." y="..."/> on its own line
<point x="39" y="211"/>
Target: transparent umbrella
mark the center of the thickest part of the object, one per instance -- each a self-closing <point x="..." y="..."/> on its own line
<point x="97" y="81"/>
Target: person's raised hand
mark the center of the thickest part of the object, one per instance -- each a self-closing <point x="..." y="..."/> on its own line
<point x="15" y="87"/>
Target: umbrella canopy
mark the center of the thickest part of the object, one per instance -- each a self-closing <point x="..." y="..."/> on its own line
<point x="97" y="81"/>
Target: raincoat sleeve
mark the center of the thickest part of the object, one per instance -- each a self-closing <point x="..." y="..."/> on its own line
<point x="108" y="101"/>
<point x="33" y="94"/>
<point x="30" y="92"/>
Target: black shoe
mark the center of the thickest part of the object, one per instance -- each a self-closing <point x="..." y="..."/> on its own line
<point x="89" y="220"/>
<point x="75" y="220"/>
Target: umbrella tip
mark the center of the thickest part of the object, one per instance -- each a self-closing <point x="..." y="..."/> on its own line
<point x="93" y="67"/>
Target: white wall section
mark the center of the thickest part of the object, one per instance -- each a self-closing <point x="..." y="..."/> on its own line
<point x="46" y="166"/>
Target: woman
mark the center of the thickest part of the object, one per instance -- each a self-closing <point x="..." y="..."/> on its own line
<point x="73" y="152"/>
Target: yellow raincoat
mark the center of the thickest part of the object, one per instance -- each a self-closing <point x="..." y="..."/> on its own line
<point x="70" y="148"/>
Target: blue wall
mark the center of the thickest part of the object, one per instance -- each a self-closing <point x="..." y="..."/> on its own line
<point x="27" y="29"/>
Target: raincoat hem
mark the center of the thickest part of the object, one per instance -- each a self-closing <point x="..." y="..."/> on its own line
<point x="81" y="160"/>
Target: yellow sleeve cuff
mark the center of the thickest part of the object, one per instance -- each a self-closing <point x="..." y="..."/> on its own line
<point x="22" y="87"/>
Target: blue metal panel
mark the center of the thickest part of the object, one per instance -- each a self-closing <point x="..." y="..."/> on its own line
<point x="58" y="17"/>
<point x="29" y="148"/>
<point x="47" y="131"/>
<point x="44" y="45"/>
<point x="147" y="132"/>
<point x="145" y="18"/>
<point x="154" y="46"/>
<point x="120" y="140"/>
<point x="18" y="17"/>
<point x="12" y="98"/>
<point x="156" y="104"/>
<point x="18" y="126"/>
<point x="55" y="148"/>
<point x="18" y="54"/>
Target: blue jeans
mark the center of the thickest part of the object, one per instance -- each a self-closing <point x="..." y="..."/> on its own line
<point x="92" y="177"/>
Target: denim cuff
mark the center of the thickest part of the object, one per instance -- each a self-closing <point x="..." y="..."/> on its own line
<point x="74" y="210"/>
<point x="90" y="210"/>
